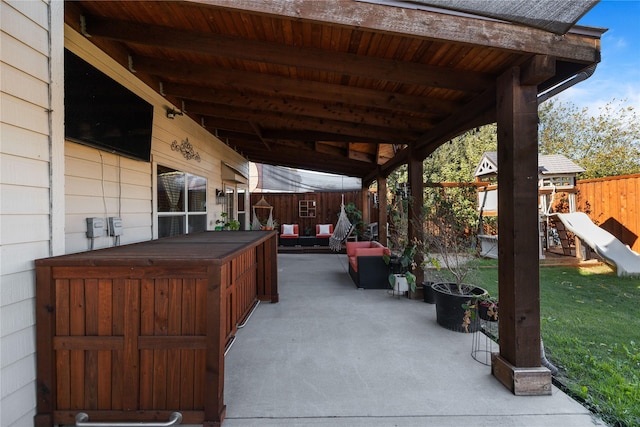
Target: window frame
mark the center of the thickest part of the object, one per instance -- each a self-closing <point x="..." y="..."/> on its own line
<point x="186" y="213"/>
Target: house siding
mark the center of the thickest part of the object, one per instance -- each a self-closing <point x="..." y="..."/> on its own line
<point x="48" y="186"/>
<point x="101" y="184"/>
<point x="25" y="232"/>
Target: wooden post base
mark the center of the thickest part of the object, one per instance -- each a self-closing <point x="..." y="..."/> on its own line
<point x="521" y="381"/>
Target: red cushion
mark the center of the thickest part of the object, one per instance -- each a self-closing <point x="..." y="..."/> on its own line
<point x="352" y="246"/>
<point x="369" y="252"/>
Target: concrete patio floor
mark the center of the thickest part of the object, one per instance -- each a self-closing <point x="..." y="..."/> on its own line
<point x="329" y="354"/>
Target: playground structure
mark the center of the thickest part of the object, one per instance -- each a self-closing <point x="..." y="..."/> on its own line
<point x="620" y="257"/>
<point x="556" y="174"/>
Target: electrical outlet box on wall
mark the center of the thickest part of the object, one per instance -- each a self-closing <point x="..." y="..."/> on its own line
<point x="95" y="227"/>
<point x="115" y="226"/>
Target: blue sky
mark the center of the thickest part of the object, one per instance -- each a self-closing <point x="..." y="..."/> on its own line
<point x="618" y="74"/>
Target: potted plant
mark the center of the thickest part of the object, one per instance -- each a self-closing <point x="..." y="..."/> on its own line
<point x="227" y="224"/>
<point x="484" y="307"/>
<point x="452" y="243"/>
<point x="267" y="225"/>
<point x="487" y="307"/>
<point x="431" y="268"/>
<point x="401" y="277"/>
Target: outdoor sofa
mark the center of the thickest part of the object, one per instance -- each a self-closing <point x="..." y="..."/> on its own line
<point x="323" y="232"/>
<point x="289" y="234"/>
<point x="366" y="265"/>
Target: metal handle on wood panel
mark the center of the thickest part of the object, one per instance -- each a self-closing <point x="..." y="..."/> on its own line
<point x="82" y="420"/>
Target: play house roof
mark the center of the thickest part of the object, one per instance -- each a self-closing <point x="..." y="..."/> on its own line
<point x="551" y="164"/>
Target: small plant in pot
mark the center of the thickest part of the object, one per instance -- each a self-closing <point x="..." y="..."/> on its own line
<point x="484" y="307"/>
<point x="227" y="223"/>
<point x="488" y="308"/>
<point x="401" y="277"/>
<point x="432" y="274"/>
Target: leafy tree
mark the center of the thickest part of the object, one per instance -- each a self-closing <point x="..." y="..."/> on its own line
<point x="457" y="160"/>
<point x="604" y="145"/>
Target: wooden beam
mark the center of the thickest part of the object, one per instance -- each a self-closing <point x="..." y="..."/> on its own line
<point x="479" y="111"/>
<point x="366" y="203"/>
<point x="299" y="156"/>
<point x="211" y="78"/>
<point x="382" y="209"/>
<point x="302" y="107"/>
<point x="258" y="132"/>
<point x="416" y="202"/>
<point x="538" y="69"/>
<point x="275" y="53"/>
<point x="439" y="26"/>
<point x="400" y="158"/>
<point x="214" y="123"/>
<point x="518" y="275"/>
<point x="290" y="121"/>
<point x="303" y="135"/>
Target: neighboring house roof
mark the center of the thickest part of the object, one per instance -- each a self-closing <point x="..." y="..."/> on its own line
<point x="550" y="164"/>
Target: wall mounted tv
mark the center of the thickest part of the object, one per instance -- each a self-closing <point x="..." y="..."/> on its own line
<point x="102" y="113"/>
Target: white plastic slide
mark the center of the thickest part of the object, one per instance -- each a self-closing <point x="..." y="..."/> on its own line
<point x="625" y="261"/>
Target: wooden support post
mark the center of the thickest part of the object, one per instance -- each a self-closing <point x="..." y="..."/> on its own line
<point x="518" y="276"/>
<point x="382" y="210"/>
<point x="366" y="209"/>
<point x="416" y="201"/>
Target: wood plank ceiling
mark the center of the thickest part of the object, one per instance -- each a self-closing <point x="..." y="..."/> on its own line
<point x="334" y="86"/>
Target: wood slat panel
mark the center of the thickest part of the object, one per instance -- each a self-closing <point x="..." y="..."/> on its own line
<point x="105" y="322"/>
<point x="200" y="356"/>
<point x="174" y="327"/>
<point x="117" y="357"/>
<point x="91" y="356"/>
<point x="187" y="357"/>
<point x="77" y="327"/>
<point x="63" y="358"/>
<point x="132" y="345"/>
<point x="285" y="207"/>
<point x="613" y="203"/>
<point x="130" y="391"/>
<point x="146" y="356"/>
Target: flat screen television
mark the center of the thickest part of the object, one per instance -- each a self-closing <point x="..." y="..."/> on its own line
<point x="102" y="113"/>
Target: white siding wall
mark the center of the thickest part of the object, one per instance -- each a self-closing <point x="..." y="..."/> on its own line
<point x="48" y="186"/>
<point x="25" y="191"/>
<point x="100" y="184"/>
<point x="95" y="179"/>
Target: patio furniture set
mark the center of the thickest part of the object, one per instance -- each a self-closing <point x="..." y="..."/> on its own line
<point x="290" y="235"/>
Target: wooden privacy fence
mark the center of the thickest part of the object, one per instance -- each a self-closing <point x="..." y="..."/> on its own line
<point x="134" y="333"/>
<point x="613" y="203"/>
<point x="286" y="207"/>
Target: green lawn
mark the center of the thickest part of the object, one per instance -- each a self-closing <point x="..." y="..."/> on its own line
<point x="590" y="324"/>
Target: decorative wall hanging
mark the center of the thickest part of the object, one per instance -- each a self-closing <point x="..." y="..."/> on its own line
<point x="186" y="149"/>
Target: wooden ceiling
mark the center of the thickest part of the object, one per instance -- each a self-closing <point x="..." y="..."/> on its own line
<point x="335" y="86"/>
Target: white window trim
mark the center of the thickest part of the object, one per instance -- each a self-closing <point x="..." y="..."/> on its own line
<point x="154" y="195"/>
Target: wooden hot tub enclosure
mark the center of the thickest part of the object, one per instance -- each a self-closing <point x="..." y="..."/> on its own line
<point x="134" y="333"/>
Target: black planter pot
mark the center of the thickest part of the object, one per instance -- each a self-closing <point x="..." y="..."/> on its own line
<point x="449" y="311"/>
<point x="483" y="311"/>
<point x="428" y="293"/>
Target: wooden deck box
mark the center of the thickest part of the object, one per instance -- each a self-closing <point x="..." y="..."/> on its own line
<point x="134" y="333"/>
